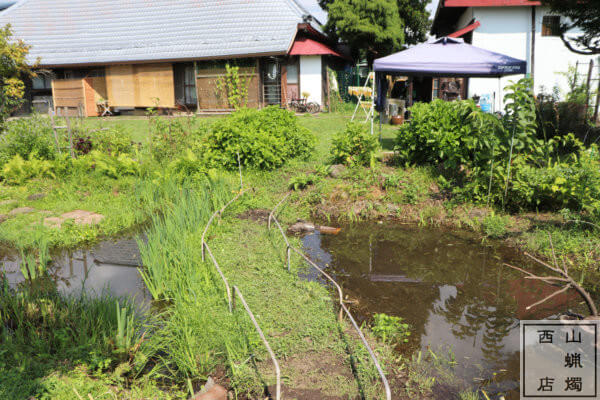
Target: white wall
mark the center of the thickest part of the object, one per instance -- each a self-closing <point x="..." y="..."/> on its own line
<point x="311" y="78"/>
<point x="504" y="30"/>
<point x="552" y="57"/>
<point x="507" y="30"/>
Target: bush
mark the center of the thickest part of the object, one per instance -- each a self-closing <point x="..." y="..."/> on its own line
<point x="170" y="136"/>
<point x="17" y="170"/>
<point x="25" y="136"/>
<point x="265" y="139"/>
<point x="495" y="226"/>
<point x="354" y="146"/>
<point x="112" y="141"/>
<point x="104" y="164"/>
<point x="447" y="134"/>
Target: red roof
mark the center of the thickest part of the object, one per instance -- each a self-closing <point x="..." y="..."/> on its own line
<point x="465" y="30"/>
<point x="309" y="47"/>
<point x="490" y="3"/>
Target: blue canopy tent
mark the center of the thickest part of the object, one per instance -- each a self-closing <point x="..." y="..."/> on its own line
<point x="444" y="57"/>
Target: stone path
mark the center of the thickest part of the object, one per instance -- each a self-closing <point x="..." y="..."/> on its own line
<point x="79" y="217"/>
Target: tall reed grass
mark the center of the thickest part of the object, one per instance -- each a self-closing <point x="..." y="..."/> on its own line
<point x="195" y="331"/>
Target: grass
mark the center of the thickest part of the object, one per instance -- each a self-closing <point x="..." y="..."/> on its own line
<point x="193" y="335"/>
<point x="45" y="334"/>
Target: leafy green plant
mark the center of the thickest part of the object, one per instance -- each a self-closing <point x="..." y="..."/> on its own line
<point x="187" y="164"/>
<point x="264" y="139"/>
<point x="17" y="170"/>
<point x="300" y="182"/>
<point x="354" y="146"/>
<point x="126" y="329"/>
<point x="390" y="329"/>
<point x="233" y="86"/>
<point x="494" y="225"/>
<point x="25" y="136"/>
<point x="104" y="164"/>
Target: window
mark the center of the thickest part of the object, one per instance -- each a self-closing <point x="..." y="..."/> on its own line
<point x="292" y="74"/>
<point x="41" y="82"/>
<point x="551" y="25"/>
<point x="436" y="88"/>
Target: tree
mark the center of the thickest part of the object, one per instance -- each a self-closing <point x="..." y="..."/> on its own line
<point x="372" y="28"/>
<point x="413" y="16"/>
<point x="13" y="68"/>
<point x="416" y="20"/>
<point x="584" y="15"/>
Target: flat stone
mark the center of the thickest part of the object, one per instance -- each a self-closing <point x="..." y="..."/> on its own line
<point x="478" y="213"/>
<point x="79" y="217"/>
<point x="216" y="392"/>
<point x="7" y="202"/>
<point x="36" y="196"/>
<point x="337" y="170"/>
<point x="21" y="210"/>
<point x="392" y="208"/>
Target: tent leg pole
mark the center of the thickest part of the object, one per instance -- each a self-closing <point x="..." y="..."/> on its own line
<point x="499" y="94"/>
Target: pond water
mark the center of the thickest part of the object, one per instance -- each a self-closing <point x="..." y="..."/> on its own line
<point x="452" y="289"/>
<point x="111" y="266"/>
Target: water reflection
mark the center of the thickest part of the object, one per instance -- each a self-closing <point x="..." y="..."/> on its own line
<point x="110" y="266"/>
<point x="454" y="291"/>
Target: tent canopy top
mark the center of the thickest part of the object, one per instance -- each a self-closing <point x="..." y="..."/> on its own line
<point x="449" y="57"/>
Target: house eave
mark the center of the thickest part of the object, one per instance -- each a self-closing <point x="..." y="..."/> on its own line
<point x="164" y="60"/>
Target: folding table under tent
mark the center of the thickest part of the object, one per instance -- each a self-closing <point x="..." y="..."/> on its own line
<point x="444" y="57"/>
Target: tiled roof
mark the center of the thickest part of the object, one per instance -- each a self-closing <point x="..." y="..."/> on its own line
<point x="69" y="32"/>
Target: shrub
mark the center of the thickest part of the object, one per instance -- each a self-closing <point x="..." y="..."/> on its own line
<point x="448" y="134"/>
<point x="25" y="136"/>
<point x="112" y="140"/>
<point x="170" y="136"/>
<point x="354" y="146"/>
<point x="495" y="226"/>
<point x="82" y="144"/>
<point x="17" y="171"/>
<point x="265" y="139"/>
<point x="104" y="164"/>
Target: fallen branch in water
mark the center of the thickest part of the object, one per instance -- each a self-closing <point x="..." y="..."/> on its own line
<point x="551" y="280"/>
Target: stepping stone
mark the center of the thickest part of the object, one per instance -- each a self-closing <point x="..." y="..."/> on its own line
<point x="21" y="210"/>
<point x="7" y="202"/>
<point x="36" y="196"/>
<point x="79" y="217"/>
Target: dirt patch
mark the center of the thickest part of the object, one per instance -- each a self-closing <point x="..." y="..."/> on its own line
<point x="79" y="217"/>
<point x="257" y="215"/>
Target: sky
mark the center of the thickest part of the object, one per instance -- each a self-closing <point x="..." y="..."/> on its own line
<point x="313" y="7"/>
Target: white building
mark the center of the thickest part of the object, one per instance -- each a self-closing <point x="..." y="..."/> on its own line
<point x="519" y="28"/>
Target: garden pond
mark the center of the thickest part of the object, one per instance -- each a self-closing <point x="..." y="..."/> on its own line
<point x="462" y="303"/>
<point x="109" y="267"/>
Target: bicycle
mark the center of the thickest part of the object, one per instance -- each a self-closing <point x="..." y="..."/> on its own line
<point x="302" y="106"/>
